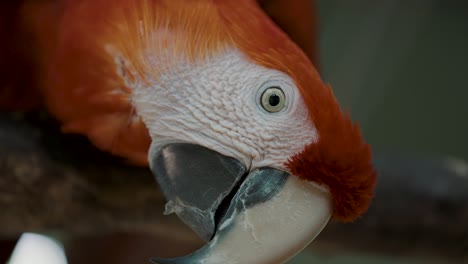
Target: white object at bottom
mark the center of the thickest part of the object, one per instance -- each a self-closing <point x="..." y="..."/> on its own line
<point x="37" y="249"/>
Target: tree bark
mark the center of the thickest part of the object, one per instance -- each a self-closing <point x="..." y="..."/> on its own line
<point x="50" y="182"/>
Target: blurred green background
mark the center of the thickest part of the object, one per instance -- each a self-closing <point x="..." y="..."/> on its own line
<point x="401" y="68"/>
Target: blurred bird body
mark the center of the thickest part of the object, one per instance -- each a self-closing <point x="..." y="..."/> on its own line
<point x="131" y="75"/>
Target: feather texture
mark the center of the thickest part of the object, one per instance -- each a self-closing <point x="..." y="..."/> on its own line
<point x="88" y="51"/>
<point x="340" y="159"/>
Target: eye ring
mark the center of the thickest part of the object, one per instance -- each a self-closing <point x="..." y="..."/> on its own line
<point x="273" y="99"/>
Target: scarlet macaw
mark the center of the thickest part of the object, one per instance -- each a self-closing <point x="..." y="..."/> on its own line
<point x="250" y="148"/>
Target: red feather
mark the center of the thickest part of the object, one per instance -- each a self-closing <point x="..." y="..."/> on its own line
<point x="87" y="50"/>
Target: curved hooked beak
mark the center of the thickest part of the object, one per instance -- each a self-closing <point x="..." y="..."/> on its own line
<point x="262" y="216"/>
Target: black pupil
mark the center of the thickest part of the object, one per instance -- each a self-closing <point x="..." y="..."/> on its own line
<point x="274" y="100"/>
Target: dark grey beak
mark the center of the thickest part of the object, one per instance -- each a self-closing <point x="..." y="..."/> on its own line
<point x="199" y="184"/>
<point x="216" y="197"/>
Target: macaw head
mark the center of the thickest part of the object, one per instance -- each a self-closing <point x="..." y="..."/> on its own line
<point x="250" y="148"/>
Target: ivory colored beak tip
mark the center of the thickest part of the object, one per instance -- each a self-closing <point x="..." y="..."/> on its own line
<point x="271" y="232"/>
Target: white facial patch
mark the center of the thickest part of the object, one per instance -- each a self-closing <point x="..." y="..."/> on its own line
<point x="216" y="103"/>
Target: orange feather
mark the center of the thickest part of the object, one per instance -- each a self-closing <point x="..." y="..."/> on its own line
<point x="88" y="51"/>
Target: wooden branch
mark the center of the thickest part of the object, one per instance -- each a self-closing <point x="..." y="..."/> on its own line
<point x="54" y="182"/>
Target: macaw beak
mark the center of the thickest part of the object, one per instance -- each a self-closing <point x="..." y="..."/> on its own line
<point x="261" y="216"/>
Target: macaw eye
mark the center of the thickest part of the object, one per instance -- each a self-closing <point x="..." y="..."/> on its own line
<point x="273" y="99"/>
